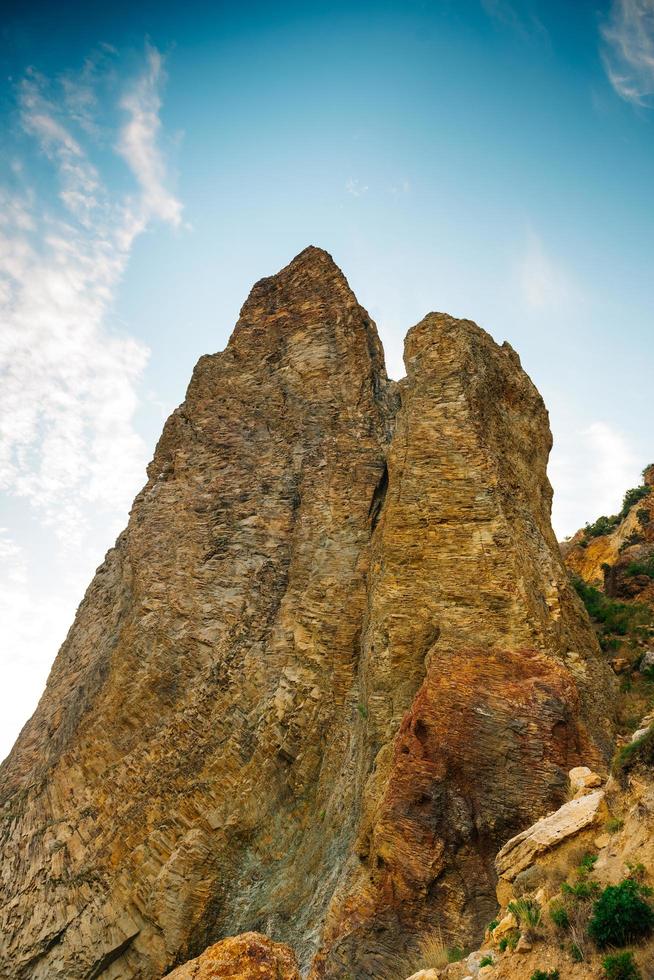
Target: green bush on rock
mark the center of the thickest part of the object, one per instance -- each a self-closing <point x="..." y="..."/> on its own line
<point x="621" y="915"/>
<point x="620" y="966"/>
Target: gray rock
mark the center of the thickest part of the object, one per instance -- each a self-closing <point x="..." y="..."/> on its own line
<point x="529" y="880"/>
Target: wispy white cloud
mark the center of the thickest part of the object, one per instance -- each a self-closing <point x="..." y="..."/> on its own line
<point x="69" y="384"/>
<point x="628" y="52"/>
<point x="590" y="470"/>
<point x="543" y="282"/>
<point x="138" y="142"/>
<point x="70" y="453"/>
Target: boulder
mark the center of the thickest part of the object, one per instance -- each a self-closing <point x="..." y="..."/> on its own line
<point x="249" y="956"/>
<point x="547" y="833"/>
<point x="506" y="924"/>
<point x="582" y="780"/>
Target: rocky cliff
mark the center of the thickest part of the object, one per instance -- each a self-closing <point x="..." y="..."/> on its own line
<point x="332" y="664"/>
<point x="616" y="554"/>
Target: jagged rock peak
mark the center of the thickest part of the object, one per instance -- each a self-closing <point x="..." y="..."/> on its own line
<point x="333" y="662"/>
<point x="311" y="291"/>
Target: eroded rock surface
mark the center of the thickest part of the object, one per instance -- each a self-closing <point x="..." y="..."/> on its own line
<point x="247" y="957"/>
<point x="332" y="664"/>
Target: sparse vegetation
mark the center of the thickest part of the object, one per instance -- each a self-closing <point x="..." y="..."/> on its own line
<point x="615" y="617"/>
<point x="604" y="525"/>
<point x="526" y="911"/>
<point x="636" y="870"/>
<point x="587" y="864"/>
<point x="644" y="567"/>
<point x="642" y="750"/>
<point x="577" y="953"/>
<point x="486" y="961"/>
<point x="620" y="966"/>
<point x="581" y="891"/>
<point x="510" y="941"/>
<point x="621" y="914"/>
<point x="573" y="912"/>
<point x="632" y="497"/>
<point x="545" y="975"/>
<point x="559" y="915"/>
<point x="431" y="954"/>
<point x="614" y="825"/>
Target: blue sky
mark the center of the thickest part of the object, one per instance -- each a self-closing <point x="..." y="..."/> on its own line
<point x="489" y="158"/>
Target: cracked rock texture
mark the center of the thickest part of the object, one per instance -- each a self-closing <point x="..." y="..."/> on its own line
<point x="331" y="665"/>
<point x="246" y="957"/>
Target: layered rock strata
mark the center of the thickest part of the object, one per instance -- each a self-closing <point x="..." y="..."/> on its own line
<point x="331" y="665"/>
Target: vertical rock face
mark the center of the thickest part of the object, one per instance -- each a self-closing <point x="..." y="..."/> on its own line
<point x="476" y="652"/>
<point x="331" y="665"/>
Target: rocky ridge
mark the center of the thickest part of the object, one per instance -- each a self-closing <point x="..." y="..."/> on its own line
<point x="331" y="665"/>
<point x="613" y="553"/>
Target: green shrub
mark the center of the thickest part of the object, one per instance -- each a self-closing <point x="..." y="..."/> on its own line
<point x="632" y="497"/>
<point x="587" y="863"/>
<point x="603" y="525"/>
<point x="545" y="975"/>
<point x="642" y="750"/>
<point x="455" y="954"/>
<point x="636" y="870"/>
<point x="615" y="616"/>
<point x="614" y="825"/>
<point x="644" y="567"/>
<point x="620" y="966"/>
<point x="526" y="911"/>
<point x="582" y="890"/>
<point x="559" y="915"/>
<point x="643" y="516"/>
<point x="492" y="925"/>
<point x="486" y="961"/>
<point x="510" y="941"/>
<point x="621" y="915"/>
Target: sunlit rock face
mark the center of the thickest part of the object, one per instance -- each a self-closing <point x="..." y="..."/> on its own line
<point x="331" y="665"/>
<point x="619" y="561"/>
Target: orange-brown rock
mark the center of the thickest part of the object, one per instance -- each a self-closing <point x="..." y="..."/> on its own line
<point x="332" y="664"/>
<point x="250" y="956"/>
<point x="607" y="561"/>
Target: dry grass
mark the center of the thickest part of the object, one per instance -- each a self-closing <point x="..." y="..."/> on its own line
<point x="431" y="954"/>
